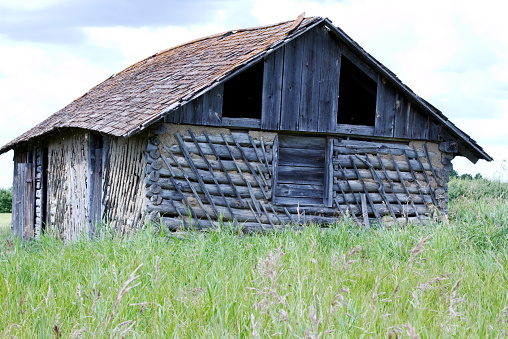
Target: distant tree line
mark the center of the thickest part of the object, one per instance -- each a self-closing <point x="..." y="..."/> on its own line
<point x="465" y="176"/>
<point x="6" y="200"/>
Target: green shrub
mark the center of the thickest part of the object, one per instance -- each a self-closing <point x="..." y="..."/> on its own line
<point x="6" y="200"/>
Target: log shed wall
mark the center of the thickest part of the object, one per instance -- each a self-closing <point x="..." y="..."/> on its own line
<point x="198" y="176"/>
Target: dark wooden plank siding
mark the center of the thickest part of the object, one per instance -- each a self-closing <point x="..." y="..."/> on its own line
<point x="331" y="50"/>
<point x="298" y="157"/>
<point x="272" y="90"/>
<point x="403" y="107"/>
<point x="296" y="141"/>
<point x="309" y="103"/>
<point x="23" y="202"/>
<point x="23" y="195"/>
<point x="212" y="106"/>
<point x="434" y="130"/>
<point x="291" y="85"/>
<point x="420" y="127"/>
<point x="301" y="170"/>
<point x="385" y="109"/>
<point x="310" y="175"/>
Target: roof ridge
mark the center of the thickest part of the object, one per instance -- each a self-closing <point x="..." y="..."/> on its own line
<point x="223" y="33"/>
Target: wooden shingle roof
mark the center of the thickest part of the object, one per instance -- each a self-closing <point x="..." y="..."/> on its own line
<point x="139" y="95"/>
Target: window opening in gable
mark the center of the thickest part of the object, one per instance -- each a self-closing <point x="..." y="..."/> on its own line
<point x="243" y="93"/>
<point x="357" y="96"/>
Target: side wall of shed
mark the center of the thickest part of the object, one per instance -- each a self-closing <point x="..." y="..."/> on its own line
<point x="198" y="177"/>
<point x="124" y="182"/>
<point x="67" y="176"/>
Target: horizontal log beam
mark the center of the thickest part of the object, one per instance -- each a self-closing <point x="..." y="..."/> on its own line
<point x="201" y="164"/>
<point x="345" y="162"/>
<point x="221" y="150"/>
<point x="207" y="177"/>
<point x="226" y="189"/>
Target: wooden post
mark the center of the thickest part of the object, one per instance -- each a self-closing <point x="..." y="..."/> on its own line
<point x="365" y="213"/>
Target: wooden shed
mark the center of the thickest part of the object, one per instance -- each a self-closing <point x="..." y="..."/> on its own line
<point x="261" y="127"/>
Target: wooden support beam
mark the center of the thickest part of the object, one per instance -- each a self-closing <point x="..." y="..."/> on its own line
<point x="365" y="213"/>
<point x="449" y="147"/>
<point x="263" y="148"/>
<point x="381" y="187"/>
<point x="427" y="179"/>
<point x="366" y="192"/>
<point x="191" y="186"/>
<point x="390" y="182"/>
<point x="347" y="202"/>
<point x="195" y="170"/>
<point x="410" y="198"/>
<point x="248" y="164"/>
<point x="175" y="185"/>
<point x="414" y="178"/>
<point x="429" y="162"/>
<point x="210" y="169"/>
<point x="178" y="211"/>
<point x="223" y="169"/>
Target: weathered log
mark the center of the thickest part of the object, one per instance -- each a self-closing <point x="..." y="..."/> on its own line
<point x="155" y="153"/>
<point x="242" y="138"/>
<point x="343" y="161"/>
<point x="378" y="198"/>
<point x="174" y="224"/>
<point x="226" y="189"/>
<point x="201" y="164"/>
<point x="210" y="170"/>
<point x="221" y="177"/>
<point x="374" y="150"/>
<point x="449" y="147"/>
<point x="356" y="186"/>
<point x="349" y="174"/>
<point x="221" y="150"/>
<point x="403" y="184"/>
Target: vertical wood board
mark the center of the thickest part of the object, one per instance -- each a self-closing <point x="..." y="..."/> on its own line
<point x="331" y="51"/>
<point x="309" y="109"/>
<point x="291" y="85"/>
<point x="272" y="90"/>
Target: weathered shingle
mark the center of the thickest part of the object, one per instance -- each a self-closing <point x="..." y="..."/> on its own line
<point x="139" y="94"/>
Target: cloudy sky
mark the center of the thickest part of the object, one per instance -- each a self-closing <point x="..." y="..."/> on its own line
<point x="452" y="53"/>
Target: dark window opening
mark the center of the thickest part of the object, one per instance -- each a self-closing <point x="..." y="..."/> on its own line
<point x="243" y="93"/>
<point x="357" y="96"/>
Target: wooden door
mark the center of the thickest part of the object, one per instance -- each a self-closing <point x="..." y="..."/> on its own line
<point x="23" y="210"/>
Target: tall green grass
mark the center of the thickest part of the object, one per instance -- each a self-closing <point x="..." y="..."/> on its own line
<point x="434" y="281"/>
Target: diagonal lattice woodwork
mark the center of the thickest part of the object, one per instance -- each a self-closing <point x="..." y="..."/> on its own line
<point x="203" y="179"/>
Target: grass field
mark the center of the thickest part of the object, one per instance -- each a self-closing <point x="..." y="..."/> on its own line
<point x="435" y="281"/>
<point x="5" y="224"/>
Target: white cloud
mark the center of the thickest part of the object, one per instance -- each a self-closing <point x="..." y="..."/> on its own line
<point x="29" y="5"/>
<point x="35" y="82"/>
<point x="139" y="43"/>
